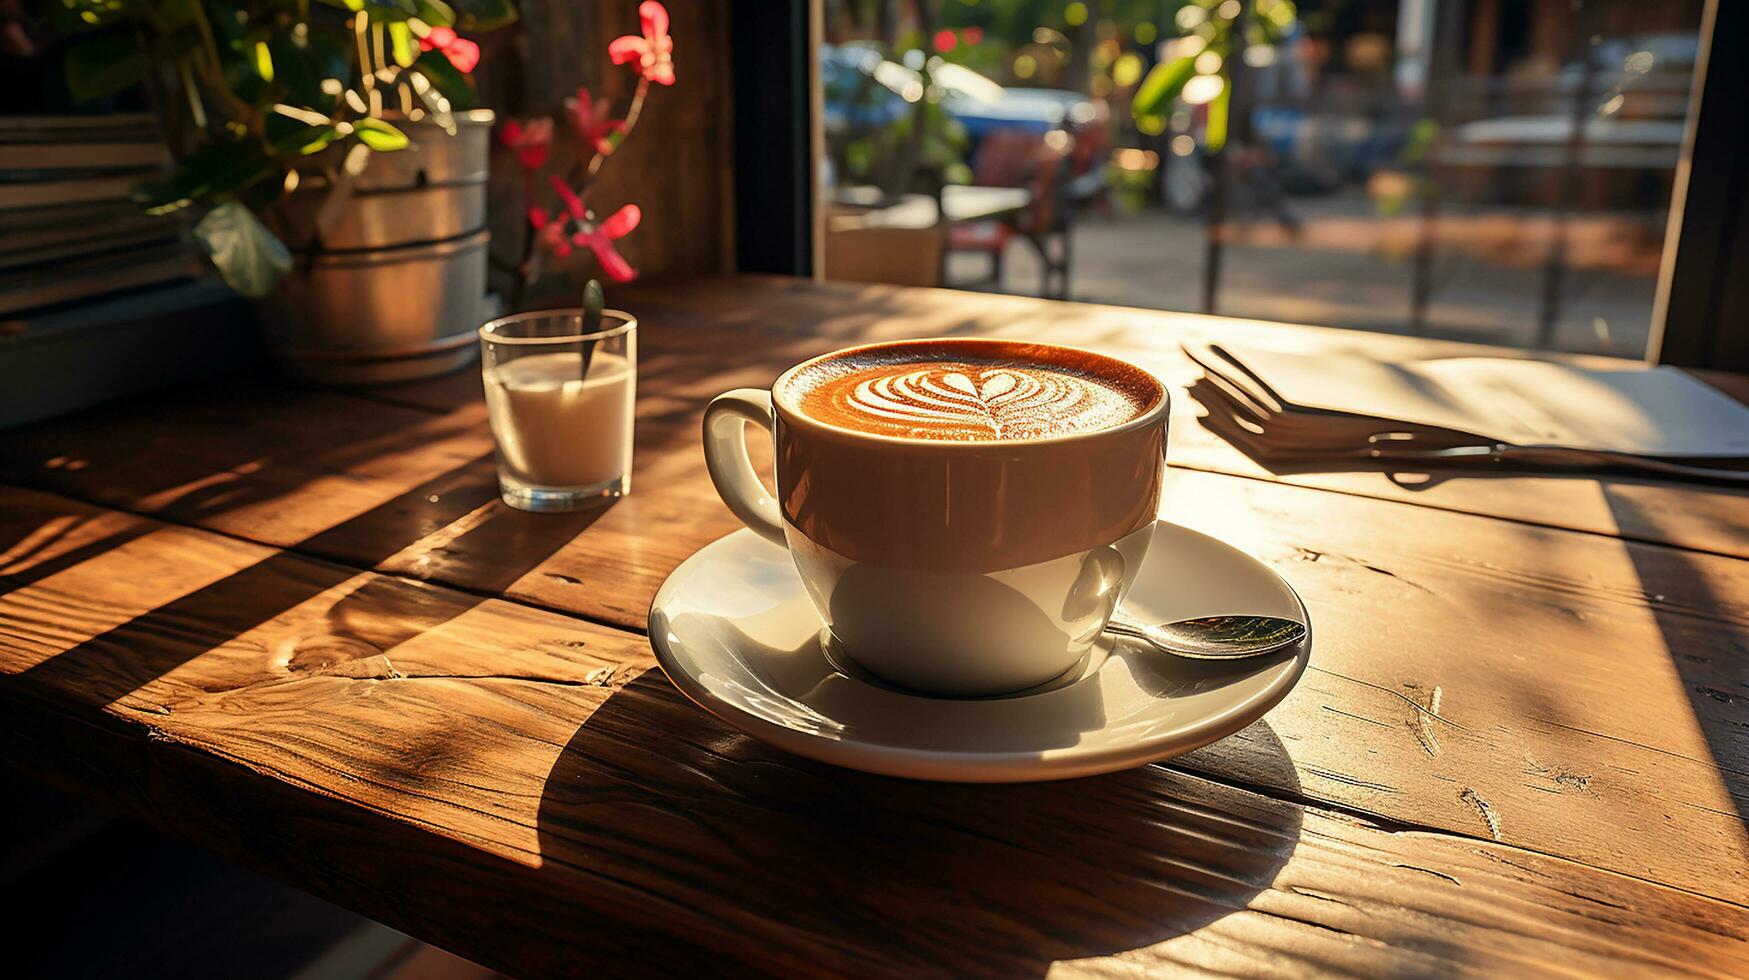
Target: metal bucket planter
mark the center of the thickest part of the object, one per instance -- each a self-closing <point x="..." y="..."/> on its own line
<point x="392" y="286"/>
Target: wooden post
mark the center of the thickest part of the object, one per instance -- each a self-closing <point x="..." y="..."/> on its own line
<point x="1699" y="317"/>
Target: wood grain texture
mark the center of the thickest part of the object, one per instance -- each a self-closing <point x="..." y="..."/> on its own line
<point x="523" y="789"/>
<point x="1570" y="692"/>
<point x="1469" y="674"/>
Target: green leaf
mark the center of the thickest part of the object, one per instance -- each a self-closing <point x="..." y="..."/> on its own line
<point x="289" y="135"/>
<point x="390" y="11"/>
<point x="483" y="15"/>
<point x="104" y="65"/>
<point x="402" y="47"/>
<point x="301" y="67"/>
<point x="379" y="11"/>
<point x="78" y="16"/>
<point x="1215" y="130"/>
<point x="247" y="255"/>
<point x="214" y="173"/>
<point x="161" y="196"/>
<point x="379" y="135"/>
<point x="442" y="75"/>
<point x="593" y="300"/>
<point x="436" y="13"/>
<point x="1154" y="96"/>
<point x="239" y="61"/>
<point x="317" y="141"/>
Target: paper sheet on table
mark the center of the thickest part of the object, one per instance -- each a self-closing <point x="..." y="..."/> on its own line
<point x="1650" y="411"/>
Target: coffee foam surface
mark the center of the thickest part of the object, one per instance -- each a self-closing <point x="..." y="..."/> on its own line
<point x="921" y="392"/>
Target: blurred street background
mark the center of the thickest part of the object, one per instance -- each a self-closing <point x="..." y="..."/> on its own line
<point x="1494" y="170"/>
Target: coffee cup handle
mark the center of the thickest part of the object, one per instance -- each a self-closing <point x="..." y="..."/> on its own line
<point x="725" y="455"/>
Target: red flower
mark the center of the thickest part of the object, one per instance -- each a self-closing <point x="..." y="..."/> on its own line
<point x="599" y="237"/>
<point x="530" y="140"/>
<point x="590" y="120"/>
<point x="577" y="226"/>
<point x="573" y="203"/>
<point x="549" y="233"/>
<point x="654" y="52"/>
<point x="461" y="52"/>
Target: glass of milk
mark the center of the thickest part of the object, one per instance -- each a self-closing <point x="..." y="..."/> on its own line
<point x="560" y="404"/>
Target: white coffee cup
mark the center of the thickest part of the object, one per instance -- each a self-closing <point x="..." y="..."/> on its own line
<point x="964" y="568"/>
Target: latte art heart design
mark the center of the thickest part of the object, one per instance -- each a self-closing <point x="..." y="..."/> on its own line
<point x="1000" y="401"/>
<point x="1025" y="396"/>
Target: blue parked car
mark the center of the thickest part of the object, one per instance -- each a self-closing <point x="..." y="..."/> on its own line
<point x="864" y="91"/>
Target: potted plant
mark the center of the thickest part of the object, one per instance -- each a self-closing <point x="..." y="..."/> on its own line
<point x="333" y="154"/>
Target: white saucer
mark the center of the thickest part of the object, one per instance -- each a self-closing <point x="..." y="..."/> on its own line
<point x="734" y="630"/>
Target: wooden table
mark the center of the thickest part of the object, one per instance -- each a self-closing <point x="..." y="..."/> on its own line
<point x="299" y="628"/>
<point x="959" y="203"/>
<point x="872" y="238"/>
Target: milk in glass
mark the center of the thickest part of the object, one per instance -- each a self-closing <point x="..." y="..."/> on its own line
<point x="559" y="429"/>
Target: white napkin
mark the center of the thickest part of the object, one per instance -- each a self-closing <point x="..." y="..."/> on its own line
<point x="1329" y="400"/>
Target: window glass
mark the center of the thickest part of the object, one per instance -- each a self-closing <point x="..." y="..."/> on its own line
<point x="1495" y="170"/>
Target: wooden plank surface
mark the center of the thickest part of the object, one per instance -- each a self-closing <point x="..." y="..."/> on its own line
<point x="1470" y="673"/>
<point x="1569" y="681"/>
<point x="521" y="787"/>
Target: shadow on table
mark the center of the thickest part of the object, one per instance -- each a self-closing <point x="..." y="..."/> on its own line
<point x="1695" y="621"/>
<point x="379" y="614"/>
<point x="1699" y="630"/>
<point x="789" y="861"/>
<point x="192" y="453"/>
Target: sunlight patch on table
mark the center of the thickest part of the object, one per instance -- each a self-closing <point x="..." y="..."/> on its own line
<point x="442" y="710"/>
<point x="79" y="603"/>
<point x="342" y="484"/>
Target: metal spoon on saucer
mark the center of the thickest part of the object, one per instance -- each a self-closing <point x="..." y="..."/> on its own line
<point x="1213" y="637"/>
